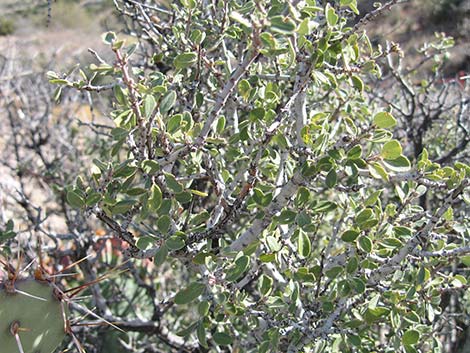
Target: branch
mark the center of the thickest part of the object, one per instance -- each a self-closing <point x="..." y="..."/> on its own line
<point x="444" y="253"/>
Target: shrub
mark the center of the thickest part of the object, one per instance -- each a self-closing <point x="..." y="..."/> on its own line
<point x="7" y="27"/>
<point x="266" y="186"/>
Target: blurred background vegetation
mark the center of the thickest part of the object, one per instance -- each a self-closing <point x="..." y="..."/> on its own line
<point x="77" y="24"/>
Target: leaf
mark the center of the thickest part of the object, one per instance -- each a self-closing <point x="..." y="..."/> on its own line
<point x="303" y="244"/>
<point x="334" y="272"/>
<point x="74" y="199"/>
<point x="163" y="224"/>
<point x="175" y="242"/>
<point x="172" y="183"/>
<point x="143" y="243"/>
<point x="190" y="293"/>
<point x="160" y="255"/>
<point x="400" y="164"/>
<point x="350" y="235"/>
<point x="93" y="198"/>
<point x="244" y="88"/>
<point x="201" y="335"/>
<point x="331" y="16"/>
<point x="149" y="105"/>
<point x="174" y="123"/>
<point x="391" y="150"/>
<point x="155" y="199"/>
<point x="241" y="265"/>
<point x="168" y="101"/>
<point x="222" y="339"/>
<point x="189" y="4"/>
<point x="109" y="37"/>
<point x="150" y="166"/>
<point x="197" y="36"/>
<point x="331" y="179"/>
<point x="183" y="197"/>
<point x="355" y="152"/>
<point x="377" y="171"/>
<point x="364" y="216"/>
<point x="237" y="17"/>
<point x="265" y="285"/>
<point x="384" y="120"/>
<point x="185" y="60"/>
<point x="410" y="337"/>
<point x="203" y="308"/>
<point x="286" y="217"/>
<point x="364" y="243"/>
<point x="357" y="83"/>
<point x="267" y="257"/>
<point x="352" y="265"/>
<point x="122" y="206"/>
<point x="283" y="25"/>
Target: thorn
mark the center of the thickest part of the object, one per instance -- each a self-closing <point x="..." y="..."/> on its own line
<point x="30" y="295"/>
<point x="74" y="263"/>
<point x="96" y="316"/>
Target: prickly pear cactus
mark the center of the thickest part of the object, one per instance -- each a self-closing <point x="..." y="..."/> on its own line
<point x="34" y="314"/>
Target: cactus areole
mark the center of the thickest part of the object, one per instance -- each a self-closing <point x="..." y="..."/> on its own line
<point x="31" y="317"/>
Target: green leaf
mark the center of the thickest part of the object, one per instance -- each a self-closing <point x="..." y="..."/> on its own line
<point x="175" y="242"/>
<point x="183" y="197"/>
<point x="350" y="235"/>
<point x="189" y="4"/>
<point x="241" y="265"/>
<point x="324" y="206"/>
<point x="303" y="244"/>
<point x="410" y="337"/>
<point x="265" y="285"/>
<point x="172" y="183"/>
<point x="283" y="25"/>
<point x="168" y="101"/>
<point x="267" y="257"/>
<point x="174" y="123"/>
<point x="143" y="243"/>
<point x="352" y="265"/>
<point x="163" y="224"/>
<point x="190" y="293"/>
<point x="203" y="308"/>
<point x="238" y="17"/>
<point x="220" y="125"/>
<point x="197" y="36"/>
<point x="149" y="105"/>
<point x="185" y="60"/>
<point x="364" y="243"/>
<point x="384" y="120"/>
<point x="331" y="16"/>
<point x="222" y="339"/>
<point x="244" y="88"/>
<point x="355" y="152"/>
<point x="357" y="83"/>
<point x="122" y="206"/>
<point x="286" y="217"/>
<point x="74" y="199"/>
<point x="400" y="164"/>
<point x="109" y="37"/>
<point x="155" y="199"/>
<point x="391" y="150"/>
<point x="150" y="166"/>
<point x="201" y="335"/>
<point x="331" y="179"/>
<point x="160" y="255"/>
<point x="364" y="216"/>
<point x="377" y="171"/>
<point x="334" y="272"/>
<point x="93" y="198"/>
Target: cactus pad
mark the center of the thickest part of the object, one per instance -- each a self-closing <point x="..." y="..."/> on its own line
<point x="41" y="322"/>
